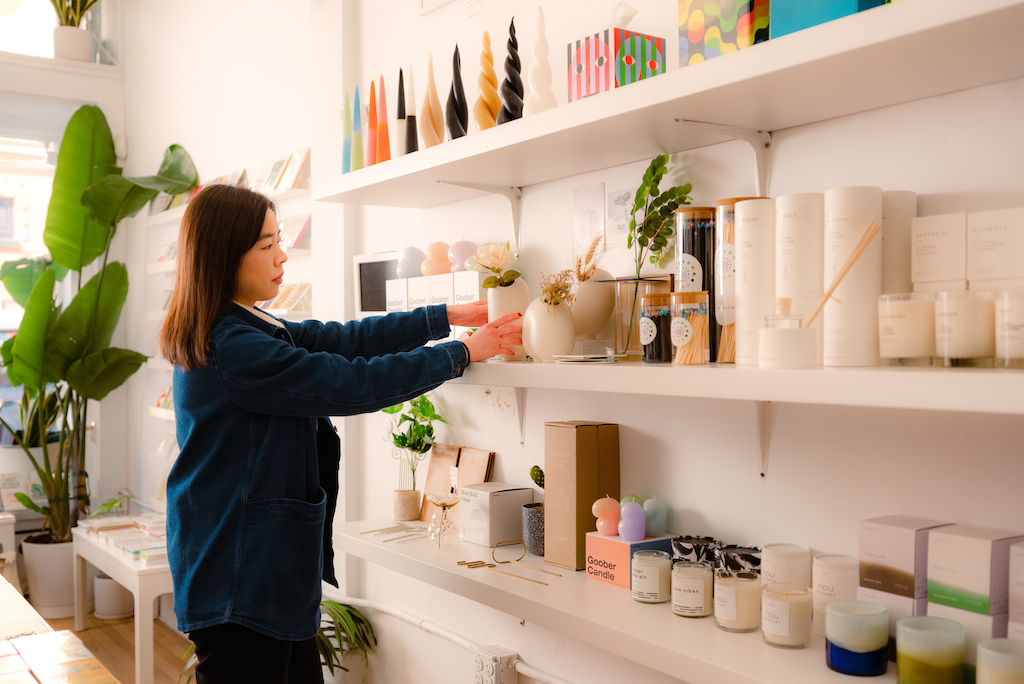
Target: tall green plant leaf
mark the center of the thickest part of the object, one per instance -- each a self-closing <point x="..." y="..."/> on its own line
<point x="95" y="376"/>
<point x="19" y="277"/>
<point x="29" y="350"/>
<point x="86" y="155"/>
<point x="68" y="341"/>
<point x="115" y="198"/>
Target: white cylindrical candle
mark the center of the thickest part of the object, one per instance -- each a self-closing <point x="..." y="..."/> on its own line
<point x="929" y="650"/>
<point x="835" y="579"/>
<point x="1010" y="330"/>
<point x="692" y="589"/>
<point x="857" y="637"/>
<point x="786" y="564"/>
<point x="906" y="329"/>
<point x="899" y="208"/>
<point x="755" y="274"/>
<point x="651" y="576"/>
<point x="799" y="255"/>
<point x="851" y="314"/>
<point x="737" y="601"/>
<point x="786" y="615"/>
<point x="965" y="328"/>
<point x="1000" y="661"/>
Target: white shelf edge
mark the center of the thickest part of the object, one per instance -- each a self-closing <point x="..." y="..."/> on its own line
<point x="288" y="195"/>
<point x="162" y="413"/>
<point x="162" y="267"/>
<point x="159" y="363"/>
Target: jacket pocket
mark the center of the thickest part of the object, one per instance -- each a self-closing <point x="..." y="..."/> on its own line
<point x="281" y="564"/>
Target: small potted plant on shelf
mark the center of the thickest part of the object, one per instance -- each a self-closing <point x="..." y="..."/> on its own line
<point x="412" y="436"/>
<point x="533" y="518"/>
<point x="70" y="40"/>
<point x="507" y="292"/>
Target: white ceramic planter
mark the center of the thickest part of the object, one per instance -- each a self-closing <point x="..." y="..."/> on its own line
<point x="72" y="42"/>
<point x="502" y="301"/>
<point x="594" y="305"/>
<point x="113" y="602"/>
<point x="50" y="574"/>
<point x="550" y="330"/>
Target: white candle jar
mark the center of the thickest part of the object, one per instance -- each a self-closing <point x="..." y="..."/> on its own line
<point x="1000" y="661"/>
<point x="906" y="329"/>
<point x="651" y="576"/>
<point x="737" y="601"/>
<point x="1010" y="330"/>
<point x="786" y="615"/>
<point x="835" y="579"/>
<point x="965" y="328"/>
<point x="692" y="589"/>
<point x="786" y="563"/>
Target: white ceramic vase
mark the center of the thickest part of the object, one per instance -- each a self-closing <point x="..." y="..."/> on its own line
<point x="549" y="329"/>
<point x="594" y="305"/>
<point x="72" y="42"/>
<point x="502" y="301"/>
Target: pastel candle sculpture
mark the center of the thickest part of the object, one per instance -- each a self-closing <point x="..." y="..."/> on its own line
<point x="346" y="128"/>
<point x="431" y="118"/>
<point x="929" y="650"/>
<point x="456" y="109"/>
<point x="512" y="86"/>
<point x="371" y="129"/>
<point x="655" y="515"/>
<point x="630" y="497"/>
<point x="488" y="104"/>
<point x="632" y="523"/>
<point x="436" y="262"/>
<point x="857" y="638"/>
<point x="459" y="252"/>
<point x="398" y="149"/>
<point x="383" y="140"/>
<point x="607" y="512"/>
<point x="409" y="264"/>
<point x="541" y="95"/>
<point x="356" y="159"/>
<point x="411" y="136"/>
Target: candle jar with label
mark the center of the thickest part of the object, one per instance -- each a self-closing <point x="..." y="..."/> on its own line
<point x="656" y="327"/>
<point x="692" y="589"/>
<point x="786" y="615"/>
<point x="906" y="329"/>
<point x="929" y="650"/>
<point x="1010" y="330"/>
<point x="835" y="578"/>
<point x="690" y="328"/>
<point x="737" y="601"/>
<point x="1000" y="661"/>
<point x="786" y="563"/>
<point x="857" y="638"/>
<point x="965" y="328"/>
<point x="651" y="576"/>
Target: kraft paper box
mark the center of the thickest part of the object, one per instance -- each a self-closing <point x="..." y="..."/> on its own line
<point x="609" y="559"/>
<point x="1015" y="630"/>
<point x="492" y="512"/>
<point x="995" y="249"/>
<point x="611" y="59"/>
<point x="710" y="28"/>
<point x="788" y="16"/>
<point x="419" y="292"/>
<point x="894" y="554"/>
<point x="976" y="628"/>
<point x="938" y="252"/>
<point x="581" y="464"/>
<point x="396" y="294"/>
<point x="1017" y="582"/>
<point x="897" y="607"/>
<point x="469" y="287"/>
<point x="969" y="568"/>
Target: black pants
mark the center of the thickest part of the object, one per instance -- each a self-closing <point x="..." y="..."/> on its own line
<point x="230" y="654"/>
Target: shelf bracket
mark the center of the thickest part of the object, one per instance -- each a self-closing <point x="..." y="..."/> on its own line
<point x="764" y="434"/>
<point x="520" y="393"/>
<point x="761" y="141"/>
<point x="513" y="194"/>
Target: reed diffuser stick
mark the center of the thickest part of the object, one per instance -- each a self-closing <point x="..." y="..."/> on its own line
<point x="858" y="250"/>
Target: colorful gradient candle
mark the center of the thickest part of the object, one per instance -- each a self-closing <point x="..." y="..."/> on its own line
<point x="346" y="126"/>
<point x="357" y="134"/>
<point x="371" y="128"/>
<point x="399" y="147"/>
<point x="383" y="141"/>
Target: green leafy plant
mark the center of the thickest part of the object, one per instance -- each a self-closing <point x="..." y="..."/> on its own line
<point x="117" y="502"/>
<point x="71" y="12"/>
<point x="417" y="437"/>
<point x="64" y="351"/>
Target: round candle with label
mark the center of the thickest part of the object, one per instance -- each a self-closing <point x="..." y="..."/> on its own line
<point x="906" y="329"/>
<point x="786" y="563"/>
<point x="786" y="615"/>
<point x="651" y="576"/>
<point x="692" y="589"/>
<point x="835" y="578"/>
<point x="737" y="601"/>
<point x="1010" y="330"/>
<point x="965" y="328"/>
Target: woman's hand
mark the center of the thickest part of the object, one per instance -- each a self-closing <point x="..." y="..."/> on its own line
<point x="468" y="315"/>
<point x="493" y="339"/>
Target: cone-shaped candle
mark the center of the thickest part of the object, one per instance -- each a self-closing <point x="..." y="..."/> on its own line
<point x="398" y="147"/>
<point x="346" y="127"/>
<point x="431" y="118"/>
<point x="541" y="96"/>
<point x="371" y="128"/>
<point x="487" y="105"/>
<point x="411" y="136"/>
<point x="383" y="141"/>
<point x="456" y="109"/>
<point x="357" y="134"/>
<point x="512" y="86"/>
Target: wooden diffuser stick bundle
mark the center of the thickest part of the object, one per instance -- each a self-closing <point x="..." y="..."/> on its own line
<point x="858" y="250"/>
<point x="727" y="339"/>
<point x="696" y="348"/>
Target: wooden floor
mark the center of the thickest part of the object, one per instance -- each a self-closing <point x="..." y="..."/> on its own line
<point x="113" y="644"/>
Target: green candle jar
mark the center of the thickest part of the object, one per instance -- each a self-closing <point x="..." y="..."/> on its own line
<point x="929" y="650"/>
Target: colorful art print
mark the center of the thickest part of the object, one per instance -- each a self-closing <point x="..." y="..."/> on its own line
<point x="589" y="63"/>
<point x="159" y="203"/>
<point x="293" y="229"/>
<point x="637" y="56"/>
<point x="261" y="176"/>
<point x="168" y="252"/>
<point x="707" y="29"/>
<point x="236" y="179"/>
<point x="293" y="170"/>
<point x="162" y="399"/>
<point x="295" y="295"/>
<point x="275" y="173"/>
<point x="752" y="26"/>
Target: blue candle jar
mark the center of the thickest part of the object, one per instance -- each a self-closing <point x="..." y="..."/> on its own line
<point x="857" y="638"/>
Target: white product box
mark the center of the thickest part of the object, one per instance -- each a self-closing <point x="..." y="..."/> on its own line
<point x="396" y="293"/>
<point x="442" y="289"/>
<point x="468" y="287"/>
<point x="976" y="628"/>
<point x="938" y="252"/>
<point x="11" y="480"/>
<point x="898" y="607"/>
<point x="894" y="554"/>
<point x="995" y="248"/>
<point x="1015" y="630"/>
<point x="492" y="512"/>
<point x="418" y="292"/>
<point x="1017" y="583"/>
<point x="969" y="568"/>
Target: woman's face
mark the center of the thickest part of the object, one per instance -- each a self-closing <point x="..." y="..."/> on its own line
<point x="262" y="268"/>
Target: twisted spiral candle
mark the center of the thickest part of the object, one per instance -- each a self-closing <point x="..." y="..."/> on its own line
<point x="512" y="86"/>
<point x="431" y="118"/>
<point x="541" y="96"/>
<point x="488" y="104"/>
<point x="456" y="109"/>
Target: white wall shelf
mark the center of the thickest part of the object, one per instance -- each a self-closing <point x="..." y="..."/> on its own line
<point x="942" y="389"/>
<point x="159" y="363"/>
<point x="885" y="56"/>
<point x="165" y="218"/>
<point x="600" y="614"/>
<point x="162" y="413"/>
<point x="162" y="267"/>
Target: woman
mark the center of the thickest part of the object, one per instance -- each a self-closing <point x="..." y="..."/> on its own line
<point x="251" y="495"/>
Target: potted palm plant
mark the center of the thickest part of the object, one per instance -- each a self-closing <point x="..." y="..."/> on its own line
<point x="62" y="348"/>
<point x="70" y="40"/>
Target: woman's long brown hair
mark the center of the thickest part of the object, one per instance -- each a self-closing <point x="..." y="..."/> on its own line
<point x="221" y="224"/>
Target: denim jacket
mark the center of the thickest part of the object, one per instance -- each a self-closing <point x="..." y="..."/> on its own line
<point x="247" y="512"/>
